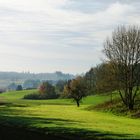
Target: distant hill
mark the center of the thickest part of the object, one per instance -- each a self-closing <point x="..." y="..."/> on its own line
<point x="8" y="77"/>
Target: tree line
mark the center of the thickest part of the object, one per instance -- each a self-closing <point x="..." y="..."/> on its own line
<point x="120" y="72"/>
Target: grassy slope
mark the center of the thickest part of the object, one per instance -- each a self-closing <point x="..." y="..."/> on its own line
<point x="17" y="97"/>
<point x="61" y="116"/>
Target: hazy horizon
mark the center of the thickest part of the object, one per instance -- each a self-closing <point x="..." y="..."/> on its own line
<point x="40" y="72"/>
<point x="59" y="35"/>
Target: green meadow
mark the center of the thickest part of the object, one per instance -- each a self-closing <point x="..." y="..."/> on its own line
<point x="61" y="118"/>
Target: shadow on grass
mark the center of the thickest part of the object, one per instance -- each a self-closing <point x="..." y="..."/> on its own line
<point x="17" y="127"/>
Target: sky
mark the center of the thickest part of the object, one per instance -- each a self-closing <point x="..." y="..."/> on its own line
<point x="59" y="35"/>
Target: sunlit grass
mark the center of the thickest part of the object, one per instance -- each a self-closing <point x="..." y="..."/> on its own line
<point x="64" y="115"/>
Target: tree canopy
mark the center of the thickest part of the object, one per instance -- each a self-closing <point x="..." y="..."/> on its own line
<point x="123" y="52"/>
<point x="76" y="89"/>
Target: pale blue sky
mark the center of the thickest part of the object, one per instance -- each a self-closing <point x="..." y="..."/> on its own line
<point x="66" y="35"/>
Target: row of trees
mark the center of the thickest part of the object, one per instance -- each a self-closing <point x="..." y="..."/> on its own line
<point x="28" y="84"/>
<point x="48" y="90"/>
<point x="14" y="86"/>
<point x="120" y="72"/>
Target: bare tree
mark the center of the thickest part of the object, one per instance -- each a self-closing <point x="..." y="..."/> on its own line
<point x="123" y="51"/>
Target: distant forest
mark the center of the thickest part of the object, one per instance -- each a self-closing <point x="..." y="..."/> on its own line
<point x="7" y="78"/>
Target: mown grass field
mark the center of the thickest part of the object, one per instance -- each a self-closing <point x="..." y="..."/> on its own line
<point x="61" y="118"/>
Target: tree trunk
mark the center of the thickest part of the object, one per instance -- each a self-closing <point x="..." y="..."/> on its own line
<point x="111" y="98"/>
<point x="77" y="102"/>
<point x="131" y="106"/>
<point x="131" y="101"/>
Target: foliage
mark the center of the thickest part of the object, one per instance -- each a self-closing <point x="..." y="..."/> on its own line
<point x="65" y="94"/>
<point x="19" y="87"/>
<point x="90" y="81"/>
<point x="76" y="89"/>
<point x="105" y="78"/>
<point x="12" y="86"/>
<point x="47" y="90"/>
<point x="59" y="87"/>
<point x="33" y="96"/>
<point x="31" y="84"/>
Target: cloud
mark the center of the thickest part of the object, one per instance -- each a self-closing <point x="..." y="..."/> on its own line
<point x="62" y="35"/>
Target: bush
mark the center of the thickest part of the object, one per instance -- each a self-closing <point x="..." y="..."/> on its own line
<point x="32" y="96"/>
<point x="47" y="91"/>
<point x="38" y="96"/>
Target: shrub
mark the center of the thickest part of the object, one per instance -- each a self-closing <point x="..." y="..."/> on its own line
<point x="32" y="96"/>
<point x="37" y="96"/>
<point x="47" y="91"/>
